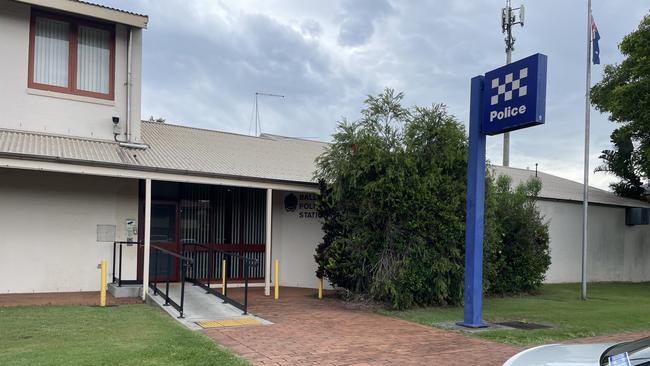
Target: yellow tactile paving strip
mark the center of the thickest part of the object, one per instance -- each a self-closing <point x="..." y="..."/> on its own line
<point x="227" y="323"/>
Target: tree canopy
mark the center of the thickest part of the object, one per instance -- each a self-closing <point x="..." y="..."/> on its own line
<point x="624" y="93"/>
<point x="393" y="207"/>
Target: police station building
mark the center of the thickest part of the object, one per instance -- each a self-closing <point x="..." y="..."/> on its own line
<point x="80" y="171"/>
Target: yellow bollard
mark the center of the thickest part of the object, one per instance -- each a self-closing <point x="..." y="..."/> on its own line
<point x="320" y="288"/>
<point x="102" y="286"/>
<point x="223" y="277"/>
<point x="277" y="279"/>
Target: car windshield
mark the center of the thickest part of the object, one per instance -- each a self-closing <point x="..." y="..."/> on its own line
<point x="638" y="352"/>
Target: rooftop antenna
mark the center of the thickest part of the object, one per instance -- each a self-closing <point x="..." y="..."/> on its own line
<point x="256" y="111"/>
<point x="508" y="19"/>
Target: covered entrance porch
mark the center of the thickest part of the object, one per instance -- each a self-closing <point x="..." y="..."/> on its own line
<point x="208" y="235"/>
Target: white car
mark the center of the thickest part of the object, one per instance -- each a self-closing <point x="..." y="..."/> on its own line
<point x="634" y="353"/>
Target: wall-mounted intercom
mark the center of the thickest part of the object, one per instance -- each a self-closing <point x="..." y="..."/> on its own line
<point x="131" y="230"/>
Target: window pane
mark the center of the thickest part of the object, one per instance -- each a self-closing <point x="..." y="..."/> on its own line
<point x="51" y="50"/>
<point x="93" y="59"/>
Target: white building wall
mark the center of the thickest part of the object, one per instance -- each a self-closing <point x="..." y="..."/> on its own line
<point x="295" y="237"/>
<point x="48" y="229"/>
<point x="616" y="252"/>
<point x="57" y="113"/>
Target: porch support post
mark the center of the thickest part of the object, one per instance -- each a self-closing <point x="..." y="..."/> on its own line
<point x="267" y="256"/>
<point x="147" y="238"/>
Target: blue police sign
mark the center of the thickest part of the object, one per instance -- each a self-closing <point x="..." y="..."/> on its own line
<point x="508" y="98"/>
<point x="514" y="96"/>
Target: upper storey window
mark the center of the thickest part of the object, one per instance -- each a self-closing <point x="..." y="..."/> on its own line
<point x="71" y="55"/>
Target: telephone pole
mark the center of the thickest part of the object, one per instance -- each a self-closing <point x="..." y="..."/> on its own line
<point x="508" y="20"/>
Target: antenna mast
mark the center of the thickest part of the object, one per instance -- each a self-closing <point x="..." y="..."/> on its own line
<point x="258" y="124"/>
<point x="508" y="19"/>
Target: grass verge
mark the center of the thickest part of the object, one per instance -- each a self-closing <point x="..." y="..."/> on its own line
<point x="611" y="308"/>
<point x="122" y="335"/>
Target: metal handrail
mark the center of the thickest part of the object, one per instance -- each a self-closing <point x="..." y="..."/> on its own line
<point x="253" y="260"/>
<point x="186" y="262"/>
<point x="224" y="296"/>
<point x="118" y="280"/>
<point x="153" y="284"/>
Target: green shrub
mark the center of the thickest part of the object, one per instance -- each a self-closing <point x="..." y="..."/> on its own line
<point x="393" y="206"/>
<point x="524" y="254"/>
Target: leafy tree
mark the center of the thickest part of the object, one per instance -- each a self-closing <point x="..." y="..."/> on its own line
<point x="624" y="92"/>
<point x="393" y="204"/>
<point x="524" y="255"/>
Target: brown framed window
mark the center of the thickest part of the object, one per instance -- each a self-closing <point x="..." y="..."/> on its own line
<point x="71" y="55"/>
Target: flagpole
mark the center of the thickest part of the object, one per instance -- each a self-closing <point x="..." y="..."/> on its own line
<point x="585" y="198"/>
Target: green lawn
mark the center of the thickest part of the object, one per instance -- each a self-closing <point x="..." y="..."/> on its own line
<point x="122" y="335"/>
<point x="611" y="308"/>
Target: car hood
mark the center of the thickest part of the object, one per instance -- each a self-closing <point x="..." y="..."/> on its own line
<point x="559" y="355"/>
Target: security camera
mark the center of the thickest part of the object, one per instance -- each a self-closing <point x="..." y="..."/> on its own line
<point x="116" y="126"/>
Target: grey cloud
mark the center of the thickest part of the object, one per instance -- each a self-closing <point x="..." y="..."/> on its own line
<point x="203" y="61"/>
<point x="208" y="78"/>
<point x="311" y="28"/>
<point x="355" y="32"/>
<point x="359" y="17"/>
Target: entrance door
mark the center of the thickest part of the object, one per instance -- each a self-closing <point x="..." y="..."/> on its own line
<point x="164" y="234"/>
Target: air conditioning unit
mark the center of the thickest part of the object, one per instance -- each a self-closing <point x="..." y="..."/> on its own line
<point x="636" y="216"/>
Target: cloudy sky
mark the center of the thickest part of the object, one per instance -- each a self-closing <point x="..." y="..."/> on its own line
<point x="204" y="61"/>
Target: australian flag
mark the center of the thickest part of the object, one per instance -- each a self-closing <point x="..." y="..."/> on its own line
<point x="595" y="37"/>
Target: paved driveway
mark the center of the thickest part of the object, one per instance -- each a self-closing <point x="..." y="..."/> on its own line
<point x="308" y="331"/>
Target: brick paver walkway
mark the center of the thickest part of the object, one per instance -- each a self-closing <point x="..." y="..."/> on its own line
<point x="308" y="331"/>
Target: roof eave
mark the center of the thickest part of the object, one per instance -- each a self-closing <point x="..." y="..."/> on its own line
<point x="82" y="162"/>
<point x="92" y="10"/>
<point x="622" y="204"/>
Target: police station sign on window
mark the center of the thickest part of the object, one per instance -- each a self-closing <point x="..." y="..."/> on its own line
<point x="514" y="96"/>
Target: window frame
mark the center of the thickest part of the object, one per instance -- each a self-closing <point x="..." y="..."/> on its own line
<point x="74" y="22"/>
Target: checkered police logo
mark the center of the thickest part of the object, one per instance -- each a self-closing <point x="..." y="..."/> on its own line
<point x="509" y="88"/>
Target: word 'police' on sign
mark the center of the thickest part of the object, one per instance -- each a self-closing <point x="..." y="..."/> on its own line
<point x="514" y="96"/>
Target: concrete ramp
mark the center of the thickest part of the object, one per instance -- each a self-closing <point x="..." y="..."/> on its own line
<point x="201" y="310"/>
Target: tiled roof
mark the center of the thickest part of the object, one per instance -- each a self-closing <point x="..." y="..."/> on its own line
<point x="178" y="148"/>
<point x="557" y="188"/>
<point x="269" y="157"/>
<point x="193" y="149"/>
<point x="109" y="8"/>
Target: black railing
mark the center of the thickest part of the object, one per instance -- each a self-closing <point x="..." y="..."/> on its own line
<point x="173" y="259"/>
<point x="184" y="262"/>
<point x="117" y="276"/>
<point x="246" y="263"/>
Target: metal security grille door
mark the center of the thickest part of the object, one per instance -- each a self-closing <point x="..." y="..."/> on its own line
<point x="229" y="219"/>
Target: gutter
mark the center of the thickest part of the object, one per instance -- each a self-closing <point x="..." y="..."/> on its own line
<point x="131" y="145"/>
